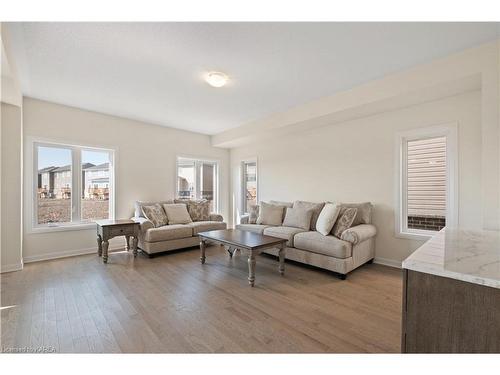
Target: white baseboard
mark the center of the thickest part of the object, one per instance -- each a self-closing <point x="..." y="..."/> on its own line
<point x="12" y="267"/>
<point x="388" y="262"/>
<point x="70" y="253"/>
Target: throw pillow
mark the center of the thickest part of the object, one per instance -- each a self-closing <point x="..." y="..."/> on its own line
<point x="364" y="214"/>
<point x="199" y="210"/>
<point x="253" y="214"/>
<point x="284" y="204"/>
<point x="177" y="213"/>
<point x="138" y="206"/>
<point x="155" y="214"/>
<point x="270" y="214"/>
<point x="327" y="218"/>
<point x="315" y="207"/>
<point x="298" y="218"/>
<point x="344" y="222"/>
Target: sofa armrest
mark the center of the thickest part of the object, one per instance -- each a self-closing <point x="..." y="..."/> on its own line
<point x="244" y="219"/>
<point x="359" y="233"/>
<point x="216" y="217"/>
<point x="144" y="223"/>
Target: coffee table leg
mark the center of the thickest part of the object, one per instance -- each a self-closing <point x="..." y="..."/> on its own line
<point x="282" y="260"/>
<point x="202" y="251"/>
<point x="251" y="268"/>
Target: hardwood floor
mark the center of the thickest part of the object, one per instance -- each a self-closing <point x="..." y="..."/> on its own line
<point x="172" y="303"/>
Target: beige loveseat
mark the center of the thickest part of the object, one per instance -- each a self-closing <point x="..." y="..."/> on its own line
<point x="171" y="237"/>
<point x="355" y="247"/>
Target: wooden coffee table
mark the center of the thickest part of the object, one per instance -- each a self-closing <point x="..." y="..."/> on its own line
<point x="248" y="242"/>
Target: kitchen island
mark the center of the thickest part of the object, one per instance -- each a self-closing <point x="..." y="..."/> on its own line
<point x="451" y="294"/>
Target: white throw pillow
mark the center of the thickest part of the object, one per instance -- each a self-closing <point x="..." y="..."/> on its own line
<point x="177" y="213"/>
<point x="327" y="218"/>
<point x="270" y="214"/>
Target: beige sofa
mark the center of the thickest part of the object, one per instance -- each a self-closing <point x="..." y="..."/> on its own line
<point x="171" y="237"/>
<point x="355" y="247"/>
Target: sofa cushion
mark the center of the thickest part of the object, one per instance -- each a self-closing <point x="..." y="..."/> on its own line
<point x="139" y="204"/>
<point x="177" y="213"/>
<point x="256" y="228"/>
<point x="344" y="221"/>
<point x="364" y="215"/>
<point x="155" y="214"/>
<point x="253" y="214"/>
<point x="280" y="203"/>
<point x="270" y="214"/>
<point x="168" y="232"/>
<point x="286" y="233"/>
<point x="203" y="226"/>
<point x="284" y="204"/>
<point x="199" y="209"/>
<point x="327" y="218"/>
<point x="315" y="207"/>
<point x="326" y="245"/>
<point x="298" y="218"/>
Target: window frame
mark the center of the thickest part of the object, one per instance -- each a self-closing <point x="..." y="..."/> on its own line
<point x="243" y="162"/>
<point x="76" y="180"/>
<point x="450" y="131"/>
<point x="197" y="177"/>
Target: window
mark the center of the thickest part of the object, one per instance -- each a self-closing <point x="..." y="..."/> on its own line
<point x="198" y="179"/>
<point x="249" y="185"/>
<point x="426" y="183"/>
<point x="72" y="184"/>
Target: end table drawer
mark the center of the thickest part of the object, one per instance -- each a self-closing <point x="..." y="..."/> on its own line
<point x="122" y="230"/>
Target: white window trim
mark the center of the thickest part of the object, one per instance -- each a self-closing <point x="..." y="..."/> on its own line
<point x="32" y="180"/>
<point x="242" y="181"/>
<point x="198" y="161"/>
<point x="450" y="131"/>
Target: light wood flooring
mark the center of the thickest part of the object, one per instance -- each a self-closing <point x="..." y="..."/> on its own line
<point x="173" y="304"/>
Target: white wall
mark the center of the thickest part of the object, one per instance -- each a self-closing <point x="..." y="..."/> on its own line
<point x="354" y="161"/>
<point x="11" y="187"/>
<point x="10" y="159"/>
<point x="145" y="165"/>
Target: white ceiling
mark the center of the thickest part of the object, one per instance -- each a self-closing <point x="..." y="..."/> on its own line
<point x="153" y="71"/>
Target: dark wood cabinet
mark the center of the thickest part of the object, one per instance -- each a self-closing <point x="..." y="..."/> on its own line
<point x="443" y="315"/>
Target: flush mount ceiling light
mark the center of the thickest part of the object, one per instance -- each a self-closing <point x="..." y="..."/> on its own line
<point x="216" y="79"/>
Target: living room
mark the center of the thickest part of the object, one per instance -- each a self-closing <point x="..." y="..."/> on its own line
<point x="250" y="187"/>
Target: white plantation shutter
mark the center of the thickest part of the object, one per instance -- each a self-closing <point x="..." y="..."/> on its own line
<point x="427" y="177"/>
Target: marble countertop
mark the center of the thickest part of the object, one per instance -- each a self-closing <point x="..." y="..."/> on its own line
<point x="468" y="255"/>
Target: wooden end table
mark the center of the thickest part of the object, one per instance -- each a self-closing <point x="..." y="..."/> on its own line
<point x="249" y="242"/>
<point x="107" y="229"/>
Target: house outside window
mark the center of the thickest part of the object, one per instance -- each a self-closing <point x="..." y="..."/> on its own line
<point x="427" y="180"/>
<point x="67" y="191"/>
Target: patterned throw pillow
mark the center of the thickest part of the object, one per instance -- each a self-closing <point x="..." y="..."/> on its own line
<point x="199" y="210"/>
<point x="155" y="214"/>
<point x="253" y="214"/>
<point x="344" y="221"/>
